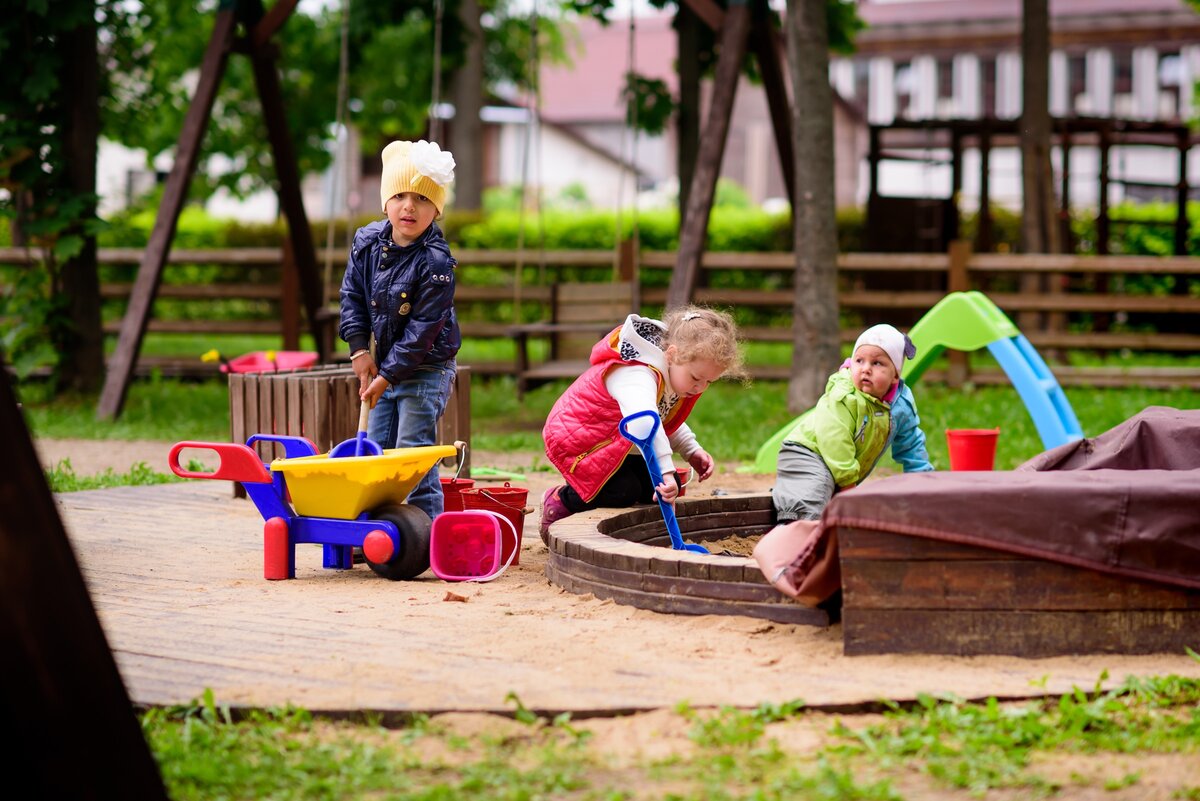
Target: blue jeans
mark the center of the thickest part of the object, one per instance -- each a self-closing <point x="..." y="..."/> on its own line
<point x="407" y="416"/>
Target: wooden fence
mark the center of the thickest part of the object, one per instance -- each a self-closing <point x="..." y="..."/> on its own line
<point x="879" y="284"/>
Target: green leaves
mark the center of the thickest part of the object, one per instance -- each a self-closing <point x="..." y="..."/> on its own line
<point x="648" y="103"/>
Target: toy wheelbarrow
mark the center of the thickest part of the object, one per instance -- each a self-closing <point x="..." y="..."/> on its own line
<point x="341" y="503"/>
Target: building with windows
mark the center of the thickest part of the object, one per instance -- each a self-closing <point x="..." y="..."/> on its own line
<point x="961" y="59"/>
<point x="916" y="60"/>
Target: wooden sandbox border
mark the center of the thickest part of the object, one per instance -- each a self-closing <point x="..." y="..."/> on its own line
<point x="627" y="557"/>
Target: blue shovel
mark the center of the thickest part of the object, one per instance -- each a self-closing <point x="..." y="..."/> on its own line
<point x="646" y="446"/>
<point x="360" y="445"/>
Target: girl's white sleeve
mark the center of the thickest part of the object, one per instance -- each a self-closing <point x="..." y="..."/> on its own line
<point x="684" y="442"/>
<point x="635" y="389"/>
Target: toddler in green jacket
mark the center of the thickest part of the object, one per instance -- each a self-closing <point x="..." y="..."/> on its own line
<point x="866" y="409"/>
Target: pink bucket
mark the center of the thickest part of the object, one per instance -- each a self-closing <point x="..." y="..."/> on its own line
<point x="469" y="545"/>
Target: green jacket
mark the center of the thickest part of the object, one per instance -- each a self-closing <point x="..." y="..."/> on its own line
<point x="848" y="428"/>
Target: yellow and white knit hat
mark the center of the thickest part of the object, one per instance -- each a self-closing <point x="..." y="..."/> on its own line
<point x="420" y="167"/>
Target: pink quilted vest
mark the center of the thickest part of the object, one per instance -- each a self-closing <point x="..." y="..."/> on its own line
<point x="581" y="434"/>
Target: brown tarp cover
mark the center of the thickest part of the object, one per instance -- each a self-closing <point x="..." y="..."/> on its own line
<point x="1126" y="502"/>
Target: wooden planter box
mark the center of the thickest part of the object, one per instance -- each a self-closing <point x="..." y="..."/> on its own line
<point x="913" y="595"/>
<point x="322" y="404"/>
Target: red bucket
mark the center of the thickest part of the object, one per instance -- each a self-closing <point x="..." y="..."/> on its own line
<point x="507" y="501"/>
<point x="972" y="448"/>
<point x="685" y="478"/>
<point x="452" y="489"/>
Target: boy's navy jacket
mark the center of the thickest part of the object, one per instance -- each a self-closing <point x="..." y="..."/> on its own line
<point x="405" y="294"/>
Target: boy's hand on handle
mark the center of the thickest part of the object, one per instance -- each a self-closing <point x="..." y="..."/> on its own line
<point x="703" y="464"/>
<point x="365" y="369"/>
<point x="667" y="491"/>
<point x="374" y="390"/>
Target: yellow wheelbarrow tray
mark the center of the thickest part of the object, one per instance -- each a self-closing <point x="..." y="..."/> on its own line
<point x="344" y="487"/>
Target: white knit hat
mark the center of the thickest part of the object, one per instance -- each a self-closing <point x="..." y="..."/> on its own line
<point x="896" y="345"/>
<point x="420" y="167"/>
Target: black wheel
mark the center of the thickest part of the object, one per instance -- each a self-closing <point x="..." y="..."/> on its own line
<point x="413" y="557"/>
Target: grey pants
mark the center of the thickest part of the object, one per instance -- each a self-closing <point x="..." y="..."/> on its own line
<point x="803" y="484"/>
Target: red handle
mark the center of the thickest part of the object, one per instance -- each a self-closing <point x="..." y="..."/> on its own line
<point x="238" y="462"/>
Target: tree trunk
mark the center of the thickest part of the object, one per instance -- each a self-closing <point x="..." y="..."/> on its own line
<point x="82" y="350"/>
<point x="815" y="343"/>
<point x="466" y="132"/>
<point x="1039" y="231"/>
<point x="687" y="123"/>
<point x="1039" y="227"/>
<point x="693" y="227"/>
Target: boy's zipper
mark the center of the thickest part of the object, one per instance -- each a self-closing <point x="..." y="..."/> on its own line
<point x="588" y="453"/>
<point x="862" y="429"/>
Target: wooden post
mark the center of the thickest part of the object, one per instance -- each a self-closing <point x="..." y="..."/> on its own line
<point x="687" y="122"/>
<point x="1068" y="239"/>
<point x="983" y="233"/>
<point x="767" y="52"/>
<point x="289" y="299"/>
<point x="291" y="200"/>
<point x="1181" y="200"/>
<point x="629" y="270"/>
<point x="1102" y="320"/>
<point x="455" y="424"/>
<point x="694" y="227"/>
<point x="625" y="258"/>
<point x="873" y="156"/>
<point x="957" y="276"/>
<point x="958" y="280"/>
<point x="187" y="152"/>
<point x="1102" y="212"/>
<point x="954" y="224"/>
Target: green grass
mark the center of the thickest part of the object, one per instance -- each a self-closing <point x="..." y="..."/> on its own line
<point x="940" y="746"/>
<point x="157" y="409"/>
<point x="61" y="478"/>
<point x="285" y="754"/>
<point x="978" y="747"/>
<point x="731" y="421"/>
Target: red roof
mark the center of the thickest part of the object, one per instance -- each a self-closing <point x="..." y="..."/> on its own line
<point x="590" y="89"/>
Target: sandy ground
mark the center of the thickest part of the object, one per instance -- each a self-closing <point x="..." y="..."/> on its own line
<point x="207" y="619"/>
<point x="720" y="645"/>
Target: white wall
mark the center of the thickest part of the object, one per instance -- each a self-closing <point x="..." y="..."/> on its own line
<point x="556" y="161"/>
<point x="122" y="176"/>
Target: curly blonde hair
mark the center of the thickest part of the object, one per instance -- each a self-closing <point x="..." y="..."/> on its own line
<point x="698" y="332"/>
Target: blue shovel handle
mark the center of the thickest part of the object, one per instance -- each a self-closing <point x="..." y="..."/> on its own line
<point x="647" y="448"/>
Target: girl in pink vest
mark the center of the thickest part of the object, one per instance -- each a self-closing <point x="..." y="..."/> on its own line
<point x="643" y="364"/>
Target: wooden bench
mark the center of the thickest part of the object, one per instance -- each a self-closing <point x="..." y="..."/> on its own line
<point x="580" y="313"/>
<point x="322" y="404"/>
